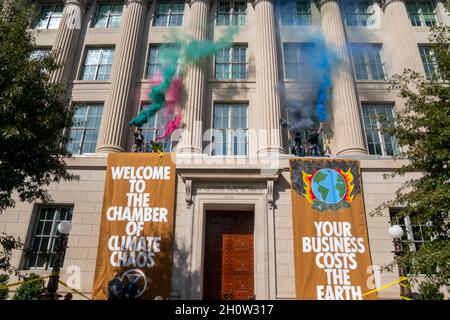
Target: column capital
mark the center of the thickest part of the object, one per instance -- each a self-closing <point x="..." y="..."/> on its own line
<point x="385" y="3"/>
<point x="320" y="3"/>
<point x="78" y="2"/>
<point x="191" y="2"/>
<point x="127" y="2"/>
<point x="255" y="2"/>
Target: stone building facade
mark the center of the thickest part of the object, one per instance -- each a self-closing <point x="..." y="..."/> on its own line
<point x="255" y="180"/>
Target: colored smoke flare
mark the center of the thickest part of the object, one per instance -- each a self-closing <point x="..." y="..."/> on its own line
<point x="184" y="53"/>
<point x="172" y="126"/>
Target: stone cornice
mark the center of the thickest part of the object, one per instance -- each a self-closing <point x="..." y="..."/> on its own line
<point x="127" y="2"/>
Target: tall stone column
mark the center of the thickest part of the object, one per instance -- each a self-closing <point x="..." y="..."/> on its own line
<point x="267" y="90"/>
<point x="401" y="44"/>
<point x="67" y="38"/>
<point x="195" y="82"/>
<point x="114" y="132"/>
<point x="348" y="135"/>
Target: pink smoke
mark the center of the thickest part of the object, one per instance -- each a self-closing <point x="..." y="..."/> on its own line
<point x="172" y="126"/>
<point x="172" y="110"/>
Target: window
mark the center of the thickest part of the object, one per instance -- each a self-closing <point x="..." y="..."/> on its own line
<point x="379" y="143"/>
<point x="414" y="234"/>
<point x="358" y="13"/>
<point x="297" y="59"/>
<point x="429" y="62"/>
<point x="155" y="59"/>
<point x="45" y="236"/>
<point x="232" y="63"/>
<point x="230" y="136"/>
<point x="97" y="64"/>
<point x="295" y="13"/>
<point x="49" y="16"/>
<point x="108" y="15"/>
<point x="231" y="13"/>
<point x="83" y="134"/>
<point x="155" y="127"/>
<point x="169" y="13"/>
<point x="368" y="62"/>
<point x="421" y="13"/>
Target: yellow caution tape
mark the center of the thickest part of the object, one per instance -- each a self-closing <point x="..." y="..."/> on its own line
<point x="401" y="279"/>
<point x="74" y="290"/>
<point x="22" y="282"/>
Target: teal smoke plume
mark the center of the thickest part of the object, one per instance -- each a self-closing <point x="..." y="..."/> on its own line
<point x="185" y="52"/>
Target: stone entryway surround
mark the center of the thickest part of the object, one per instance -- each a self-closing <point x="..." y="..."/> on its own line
<point x="236" y="190"/>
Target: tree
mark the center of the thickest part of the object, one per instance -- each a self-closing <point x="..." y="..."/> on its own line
<point x="32" y="287"/>
<point x="32" y="112"/>
<point x="423" y="129"/>
<point x="3" y="291"/>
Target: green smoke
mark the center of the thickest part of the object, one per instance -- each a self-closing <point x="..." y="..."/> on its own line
<point x="186" y="52"/>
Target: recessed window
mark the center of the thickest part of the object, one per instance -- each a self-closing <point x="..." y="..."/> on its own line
<point x="45" y="236"/>
<point x="49" y="16"/>
<point x="379" y="143"/>
<point x="358" y="13"/>
<point x="156" y="59"/>
<point x="414" y="234"/>
<point x="109" y="15"/>
<point x="169" y="13"/>
<point x="97" y="64"/>
<point x="231" y="13"/>
<point x="230" y="126"/>
<point x="429" y="62"/>
<point x="297" y="60"/>
<point x="231" y="63"/>
<point x="295" y="13"/>
<point x="155" y="127"/>
<point x="368" y="62"/>
<point x="83" y="134"/>
<point x="422" y="13"/>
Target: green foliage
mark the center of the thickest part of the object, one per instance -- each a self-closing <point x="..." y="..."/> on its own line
<point x="422" y="127"/>
<point x="32" y="112"/>
<point x="4" y="278"/>
<point x="7" y="245"/>
<point x="429" y="291"/>
<point x="32" y="287"/>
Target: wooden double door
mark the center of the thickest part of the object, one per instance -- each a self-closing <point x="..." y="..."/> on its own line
<point x="228" y="269"/>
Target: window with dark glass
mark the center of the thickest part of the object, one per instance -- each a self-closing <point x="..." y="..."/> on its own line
<point x="429" y="62"/>
<point x="109" y="15"/>
<point x="45" y="236"/>
<point x="368" y="62"/>
<point x="83" y="134"/>
<point x="231" y="13"/>
<point x="97" y="64"/>
<point x="358" y="13"/>
<point x="231" y="63"/>
<point x="169" y="13"/>
<point x="297" y="60"/>
<point x="422" y="13"/>
<point x="379" y="143"/>
<point x="295" y="13"/>
<point x="49" y="16"/>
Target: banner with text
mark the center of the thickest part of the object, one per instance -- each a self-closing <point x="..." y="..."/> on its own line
<point x="136" y="232"/>
<point x="332" y="257"/>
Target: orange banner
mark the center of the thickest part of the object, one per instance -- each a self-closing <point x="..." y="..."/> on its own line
<point x="136" y="232"/>
<point x="331" y="247"/>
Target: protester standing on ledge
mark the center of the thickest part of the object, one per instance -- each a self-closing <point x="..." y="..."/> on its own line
<point x="138" y="141"/>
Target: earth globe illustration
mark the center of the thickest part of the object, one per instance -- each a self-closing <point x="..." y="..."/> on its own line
<point x="329" y="186"/>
